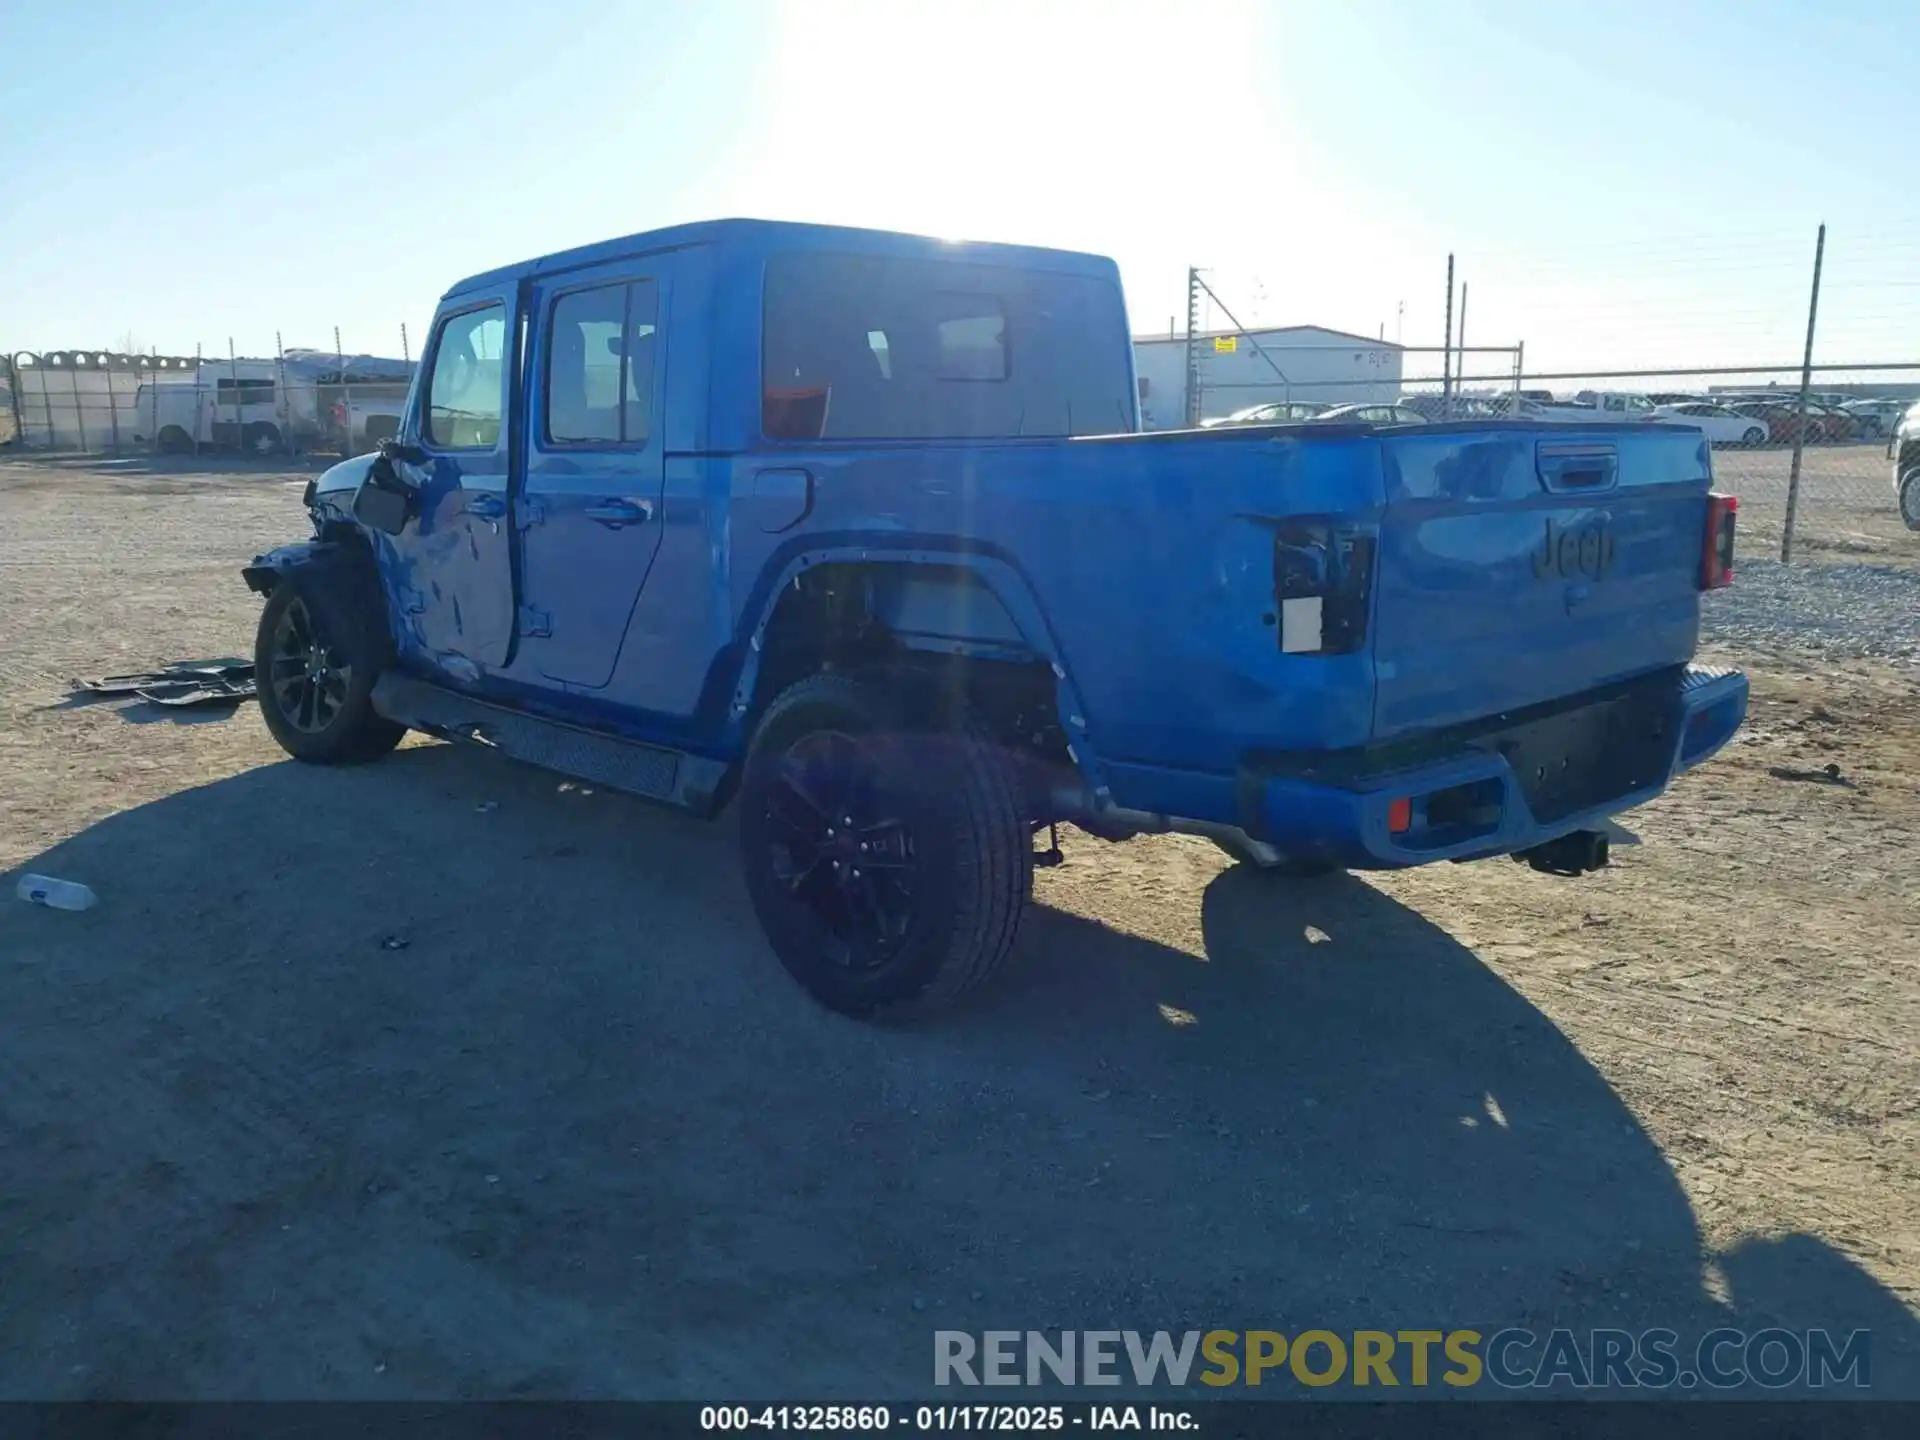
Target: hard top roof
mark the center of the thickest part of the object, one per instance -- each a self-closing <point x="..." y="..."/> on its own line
<point x="781" y="235"/>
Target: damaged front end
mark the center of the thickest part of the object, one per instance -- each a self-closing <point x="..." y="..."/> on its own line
<point x="328" y="499"/>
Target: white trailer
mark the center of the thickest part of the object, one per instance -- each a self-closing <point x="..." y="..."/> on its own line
<point x="304" y="400"/>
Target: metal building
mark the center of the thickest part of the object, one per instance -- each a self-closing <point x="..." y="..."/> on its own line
<point x="1241" y="368"/>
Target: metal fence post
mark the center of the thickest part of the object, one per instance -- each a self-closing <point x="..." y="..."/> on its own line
<point x="405" y="354"/>
<point x="1446" y="358"/>
<point x="1519" y="372"/>
<point x="1800" y="420"/>
<point x="1193" y="350"/>
<point x="13" y="394"/>
<point x="283" y="403"/>
<point x="233" y="376"/>
<point x="113" y="405"/>
<point x="73" y="381"/>
<point x="198" y="399"/>
<point x="1460" y="341"/>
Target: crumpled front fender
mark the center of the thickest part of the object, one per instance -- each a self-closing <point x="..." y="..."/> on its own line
<point x="331" y="553"/>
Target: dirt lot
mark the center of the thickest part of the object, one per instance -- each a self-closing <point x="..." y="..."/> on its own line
<point x="581" y="1136"/>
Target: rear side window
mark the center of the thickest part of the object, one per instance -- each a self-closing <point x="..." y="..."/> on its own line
<point x="600" y="359"/>
<point x="863" y="347"/>
<point x="464" y="389"/>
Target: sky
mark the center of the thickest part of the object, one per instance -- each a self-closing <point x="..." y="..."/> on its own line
<point x="1626" y="185"/>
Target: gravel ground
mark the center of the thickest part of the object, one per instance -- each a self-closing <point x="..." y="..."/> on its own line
<point x="441" y="1078"/>
<point x="1835" y="611"/>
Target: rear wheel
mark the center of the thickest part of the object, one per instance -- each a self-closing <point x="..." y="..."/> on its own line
<point x="174" y="441"/>
<point x="315" y="659"/>
<point x="889" y="866"/>
<point x="263" y="439"/>
<point x="1755" y="436"/>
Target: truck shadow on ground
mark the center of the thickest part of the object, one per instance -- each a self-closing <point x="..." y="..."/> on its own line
<point x="443" y="1077"/>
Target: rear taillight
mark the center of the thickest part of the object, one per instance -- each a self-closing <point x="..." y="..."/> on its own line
<point x="1323" y="582"/>
<point x="1716" y="546"/>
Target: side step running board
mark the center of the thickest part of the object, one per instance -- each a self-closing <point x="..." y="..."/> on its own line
<point x="688" y="781"/>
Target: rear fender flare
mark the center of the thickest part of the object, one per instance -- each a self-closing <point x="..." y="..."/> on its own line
<point x="1001" y="579"/>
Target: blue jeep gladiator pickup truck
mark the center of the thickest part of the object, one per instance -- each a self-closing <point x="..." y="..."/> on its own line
<point x="854" y="530"/>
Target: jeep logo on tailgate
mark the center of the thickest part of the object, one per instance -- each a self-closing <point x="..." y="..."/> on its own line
<point x="1574" y="551"/>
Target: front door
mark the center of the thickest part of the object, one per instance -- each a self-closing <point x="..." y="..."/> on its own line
<point x="453" y="571"/>
<point x="591" y="509"/>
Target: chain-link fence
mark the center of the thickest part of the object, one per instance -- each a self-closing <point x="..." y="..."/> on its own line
<point x="295" y="402"/>
<point x="1794" y="356"/>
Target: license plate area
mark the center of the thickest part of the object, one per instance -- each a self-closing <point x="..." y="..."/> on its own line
<point x="1569" y="762"/>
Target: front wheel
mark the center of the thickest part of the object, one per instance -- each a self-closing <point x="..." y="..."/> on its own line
<point x="315" y="659"/>
<point x="263" y="439"/>
<point x="1910" y="498"/>
<point x="889" y="866"/>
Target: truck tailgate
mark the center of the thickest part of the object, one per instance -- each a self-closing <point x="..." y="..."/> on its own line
<point x="1520" y="564"/>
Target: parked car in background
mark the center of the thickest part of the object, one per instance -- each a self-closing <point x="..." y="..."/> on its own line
<point x="358" y="424"/>
<point x="1372" y="415"/>
<point x="1520" y="407"/>
<point x="1782" y="419"/>
<point x="1835" y="423"/>
<point x="1875" y="419"/>
<point x="1904" y="450"/>
<point x="1679" y="397"/>
<point x="1458" y="407"/>
<point x="1612" y="404"/>
<point x="1720" y="425"/>
<point x="1278" y="412"/>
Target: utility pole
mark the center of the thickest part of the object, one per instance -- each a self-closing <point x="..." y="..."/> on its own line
<point x="1446" y="354"/>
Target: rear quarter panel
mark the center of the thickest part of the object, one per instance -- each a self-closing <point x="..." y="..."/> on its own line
<point x="1149" y="559"/>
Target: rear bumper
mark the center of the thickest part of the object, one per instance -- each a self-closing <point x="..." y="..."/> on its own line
<point x="1491" y="788"/>
<point x="1506" y="786"/>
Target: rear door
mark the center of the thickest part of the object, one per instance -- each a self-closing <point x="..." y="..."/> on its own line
<point x="1519" y="565"/>
<point x="594" y="472"/>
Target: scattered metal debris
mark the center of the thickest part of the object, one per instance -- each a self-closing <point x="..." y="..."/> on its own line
<point x="190" y="682"/>
<point x="1828" y="774"/>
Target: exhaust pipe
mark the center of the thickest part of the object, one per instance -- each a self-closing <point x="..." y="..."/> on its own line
<point x="1073" y="803"/>
<point x="1579" y="853"/>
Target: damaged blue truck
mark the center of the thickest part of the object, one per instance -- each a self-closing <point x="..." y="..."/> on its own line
<point x="852" y="533"/>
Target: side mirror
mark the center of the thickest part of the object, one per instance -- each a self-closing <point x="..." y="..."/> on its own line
<point x="385" y="501"/>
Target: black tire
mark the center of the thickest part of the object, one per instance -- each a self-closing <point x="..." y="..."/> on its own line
<point x="316" y="656"/>
<point x="1910" y="498"/>
<point x="263" y="439"/>
<point x="174" y="441"/>
<point x="1754" y="438"/>
<point x="937" y="819"/>
<point x="1291" y="868"/>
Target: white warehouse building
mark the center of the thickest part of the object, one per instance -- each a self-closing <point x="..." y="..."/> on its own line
<point x="1300" y="362"/>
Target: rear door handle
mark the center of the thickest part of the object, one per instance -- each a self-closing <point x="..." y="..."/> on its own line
<point x="487" y="506"/>
<point x="615" y="513"/>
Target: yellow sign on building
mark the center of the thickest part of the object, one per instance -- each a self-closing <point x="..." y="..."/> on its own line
<point x="1225" y="344"/>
